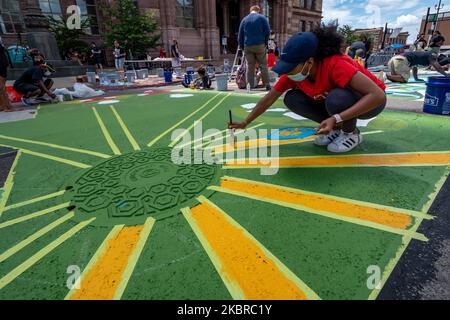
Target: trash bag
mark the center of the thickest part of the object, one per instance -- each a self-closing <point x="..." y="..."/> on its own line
<point x="83" y="91"/>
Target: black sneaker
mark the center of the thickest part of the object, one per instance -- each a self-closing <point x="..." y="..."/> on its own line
<point x="268" y="87"/>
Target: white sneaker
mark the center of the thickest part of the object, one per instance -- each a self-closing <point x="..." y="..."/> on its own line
<point x="325" y="140"/>
<point x="345" y="142"/>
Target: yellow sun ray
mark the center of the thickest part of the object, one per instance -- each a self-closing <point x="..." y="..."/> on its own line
<point x="34" y="215"/>
<point x="175" y="126"/>
<point x="411" y="159"/>
<point x="109" y="270"/>
<point x="247" y="268"/>
<point x="38" y="199"/>
<point x="125" y="129"/>
<point x="22" y="244"/>
<point x="56" y="146"/>
<point x="380" y="217"/>
<point x="105" y="132"/>
<point x="13" y="274"/>
<point x="50" y="157"/>
<point x="174" y="142"/>
<point x="7" y="187"/>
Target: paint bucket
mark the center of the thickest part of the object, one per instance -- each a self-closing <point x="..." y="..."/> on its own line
<point x="13" y="95"/>
<point x="131" y="76"/>
<point x="141" y="74"/>
<point x="222" y="82"/>
<point x="103" y="78"/>
<point x="437" y="96"/>
<point x="91" y="77"/>
<point x="168" y="76"/>
<point x="160" y="72"/>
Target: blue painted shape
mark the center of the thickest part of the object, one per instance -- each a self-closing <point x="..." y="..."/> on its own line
<point x="294" y="133"/>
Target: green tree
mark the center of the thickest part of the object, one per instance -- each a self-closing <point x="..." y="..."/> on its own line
<point x="68" y="38"/>
<point x="349" y="34"/>
<point x="125" y="22"/>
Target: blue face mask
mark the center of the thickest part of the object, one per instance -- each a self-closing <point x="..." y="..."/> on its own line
<point x="299" y="77"/>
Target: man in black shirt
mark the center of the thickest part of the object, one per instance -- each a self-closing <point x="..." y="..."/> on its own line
<point x="437" y="41"/>
<point x="400" y="65"/>
<point x="32" y="84"/>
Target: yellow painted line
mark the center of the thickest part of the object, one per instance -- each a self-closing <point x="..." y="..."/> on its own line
<point x="38" y="199"/>
<point x="50" y="157"/>
<point x="9" y="183"/>
<point x="11" y="276"/>
<point x="221" y="135"/>
<point x="413" y="213"/>
<point x="109" y="274"/>
<point x="133" y="259"/>
<point x="252" y="144"/>
<point x="125" y="130"/>
<point x="34" y="215"/>
<point x="105" y="131"/>
<point x="56" y="146"/>
<point x="406" y="239"/>
<point x="99" y="253"/>
<point x="174" y="142"/>
<point x="13" y="250"/>
<point x="381" y="217"/>
<point x="248" y="269"/>
<point x="365" y="160"/>
<point x="175" y="126"/>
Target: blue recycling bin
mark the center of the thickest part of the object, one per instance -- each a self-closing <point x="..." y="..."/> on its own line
<point x="168" y="76"/>
<point x="437" y="96"/>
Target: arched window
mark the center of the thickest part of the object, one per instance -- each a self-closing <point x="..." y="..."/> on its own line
<point x="185" y="13"/>
<point x="10" y="17"/>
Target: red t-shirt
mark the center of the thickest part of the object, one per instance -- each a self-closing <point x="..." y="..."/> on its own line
<point x="332" y="72"/>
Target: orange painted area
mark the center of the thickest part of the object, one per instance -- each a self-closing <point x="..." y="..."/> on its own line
<point x="102" y="280"/>
<point x="243" y="261"/>
<point x="322" y="203"/>
<point x="250" y="144"/>
<point x="392" y="160"/>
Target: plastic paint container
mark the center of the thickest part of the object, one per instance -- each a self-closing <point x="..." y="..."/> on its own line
<point x="437" y="96"/>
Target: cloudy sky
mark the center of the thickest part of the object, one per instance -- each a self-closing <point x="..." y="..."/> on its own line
<point x="375" y="13"/>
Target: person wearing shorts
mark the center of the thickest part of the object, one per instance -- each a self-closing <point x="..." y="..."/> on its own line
<point x="32" y="83"/>
<point x="119" y="56"/>
<point x="400" y="66"/>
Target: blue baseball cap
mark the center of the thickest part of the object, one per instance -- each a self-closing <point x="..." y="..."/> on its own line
<point x="298" y="49"/>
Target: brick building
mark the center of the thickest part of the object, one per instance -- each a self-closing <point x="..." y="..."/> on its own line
<point x="199" y="25"/>
<point x="377" y="35"/>
<point x="442" y="24"/>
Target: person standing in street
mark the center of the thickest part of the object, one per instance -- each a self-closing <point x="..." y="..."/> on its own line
<point x="437" y="41"/>
<point x="176" y="56"/>
<point x="254" y="33"/>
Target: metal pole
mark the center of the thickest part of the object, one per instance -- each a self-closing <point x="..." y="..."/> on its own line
<point x="426" y="21"/>
<point x="438" y="8"/>
<point x="384" y="36"/>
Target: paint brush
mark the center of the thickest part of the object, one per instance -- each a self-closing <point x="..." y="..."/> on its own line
<point x="233" y="138"/>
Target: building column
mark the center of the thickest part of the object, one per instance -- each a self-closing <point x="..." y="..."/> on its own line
<point x="226" y="17"/>
<point x="168" y="23"/>
<point x="36" y="26"/>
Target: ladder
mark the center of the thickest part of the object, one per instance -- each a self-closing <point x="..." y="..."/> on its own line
<point x="238" y="60"/>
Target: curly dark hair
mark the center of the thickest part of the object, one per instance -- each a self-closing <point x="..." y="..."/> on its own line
<point x="330" y="40"/>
